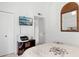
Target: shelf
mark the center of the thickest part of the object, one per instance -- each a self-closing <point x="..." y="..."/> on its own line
<point x="25" y="40"/>
<point x="22" y="41"/>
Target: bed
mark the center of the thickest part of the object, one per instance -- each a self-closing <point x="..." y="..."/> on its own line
<point x="52" y="50"/>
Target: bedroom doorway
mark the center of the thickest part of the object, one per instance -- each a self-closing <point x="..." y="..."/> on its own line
<point x="39" y="29"/>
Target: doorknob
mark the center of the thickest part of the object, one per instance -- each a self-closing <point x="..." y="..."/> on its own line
<point x="5" y="35"/>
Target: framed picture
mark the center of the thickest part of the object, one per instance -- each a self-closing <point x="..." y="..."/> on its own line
<point x="23" y="20"/>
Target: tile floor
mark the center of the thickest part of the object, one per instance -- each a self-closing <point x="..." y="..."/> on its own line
<point x="10" y="55"/>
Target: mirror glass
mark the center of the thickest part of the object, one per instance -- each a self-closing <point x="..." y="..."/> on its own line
<point x="69" y="21"/>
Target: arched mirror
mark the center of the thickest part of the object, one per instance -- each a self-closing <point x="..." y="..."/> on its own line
<point x="70" y="18"/>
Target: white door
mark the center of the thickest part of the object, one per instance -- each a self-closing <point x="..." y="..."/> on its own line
<point x="6" y="33"/>
<point x="41" y="26"/>
<point x="39" y="29"/>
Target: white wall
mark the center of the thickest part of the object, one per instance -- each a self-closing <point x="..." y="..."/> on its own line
<point x="19" y="9"/>
<point x="51" y="11"/>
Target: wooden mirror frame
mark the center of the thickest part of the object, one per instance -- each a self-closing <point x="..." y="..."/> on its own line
<point x="69" y="7"/>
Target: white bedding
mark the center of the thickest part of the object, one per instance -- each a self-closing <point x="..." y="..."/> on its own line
<point x="52" y="50"/>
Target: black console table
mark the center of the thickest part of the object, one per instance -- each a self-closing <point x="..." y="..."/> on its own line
<point x="22" y="46"/>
